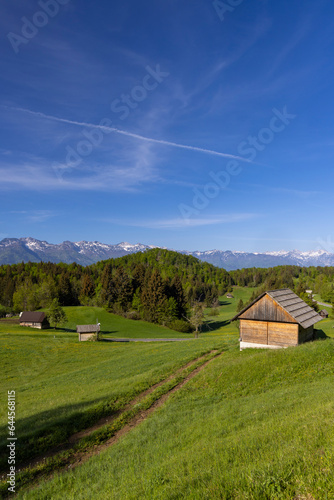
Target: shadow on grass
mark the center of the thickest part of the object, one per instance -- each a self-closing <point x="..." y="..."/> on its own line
<point x="320" y="335"/>
<point x="49" y="429"/>
<point x="211" y="326"/>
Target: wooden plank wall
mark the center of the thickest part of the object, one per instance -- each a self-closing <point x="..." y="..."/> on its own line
<point x="305" y="334"/>
<point x="33" y="325"/>
<point x="263" y="332"/>
<point x="253" y="331"/>
<point x="86" y="336"/>
<point x="266" y="309"/>
<point x="283" y="334"/>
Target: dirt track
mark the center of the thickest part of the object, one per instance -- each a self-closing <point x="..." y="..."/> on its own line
<point x="79" y="457"/>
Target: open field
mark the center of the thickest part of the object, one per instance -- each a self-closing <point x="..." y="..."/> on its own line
<point x="252" y="425"/>
<point x="255" y="424"/>
<point x="63" y="386"/>
<point x="111" y="325"/>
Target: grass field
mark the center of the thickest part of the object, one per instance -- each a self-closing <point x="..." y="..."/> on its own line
<point x="255" y="424"/>
<point x="252" y="425"/>
<point x="63" y="386"/>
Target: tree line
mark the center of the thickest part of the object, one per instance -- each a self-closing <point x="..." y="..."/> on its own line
<point x="299" y="279"/>
<point x="159" y="286"/>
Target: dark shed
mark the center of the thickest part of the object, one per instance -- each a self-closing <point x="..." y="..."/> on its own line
<point x="34" y="319"/>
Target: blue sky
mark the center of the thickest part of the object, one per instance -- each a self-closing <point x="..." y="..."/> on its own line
<point x="191" y="125"/>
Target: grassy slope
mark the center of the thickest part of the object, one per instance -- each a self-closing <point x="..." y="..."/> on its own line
<point x="252" y="425"/>
<point x="116" y="326"/>
<point x="63" y="386"/>
<point x="221" y="324"/>
<point x="59" y="380"/>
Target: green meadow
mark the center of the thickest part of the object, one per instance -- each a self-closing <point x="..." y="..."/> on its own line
<point x="250" y="425"/>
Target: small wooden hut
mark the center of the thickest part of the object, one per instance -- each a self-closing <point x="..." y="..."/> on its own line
<point x="88" y="332"/>
<point x="229" y="296"/>
<point x="275" y="319"/>
<point x="323" y="313"/>
<point x="34" y="319"/>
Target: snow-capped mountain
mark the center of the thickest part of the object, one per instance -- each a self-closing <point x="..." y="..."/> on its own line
<point x="15" y="250"/>
<point x="237" y="260"/>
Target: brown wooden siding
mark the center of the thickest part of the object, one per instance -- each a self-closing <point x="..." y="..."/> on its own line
<point x="253" y="331"/>
<point x="283" y="334"/>
<point x="269" y="333"/>
<point x="266" y="309"/>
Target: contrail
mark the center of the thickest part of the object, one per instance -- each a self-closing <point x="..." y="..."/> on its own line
<point x="130" y="134"/>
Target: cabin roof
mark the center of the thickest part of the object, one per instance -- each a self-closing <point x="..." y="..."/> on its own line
<point x="292" y="304"/>
<point x="88" y="328"/>
<point x="32" y="317"/>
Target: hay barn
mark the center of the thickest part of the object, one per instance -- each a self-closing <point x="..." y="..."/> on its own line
<point x="275" y="319"/>
<point x="34" y="319"/>
<point x="88" y="332"/>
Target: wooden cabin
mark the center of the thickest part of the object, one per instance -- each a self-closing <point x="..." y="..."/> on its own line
<point x="88" y="332"/>
<point x="34" y="319"/>
<point x="275" y="319"/>
<point x="323" y="313"/>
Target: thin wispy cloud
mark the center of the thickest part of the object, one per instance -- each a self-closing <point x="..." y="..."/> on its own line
<point x="297" y="192"/>
<point x="39" y="216"/>
<point x="35" y="215"/>
<point x="301" y="193"/>
<point x="135" y="169"/>
<point x="133" y="135"/>
<point x="183" y="223"/>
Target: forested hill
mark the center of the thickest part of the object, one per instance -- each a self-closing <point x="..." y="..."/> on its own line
<point x="189" y="268"/>
<point x="318" y="279"/>
<point x="157" y="285"/>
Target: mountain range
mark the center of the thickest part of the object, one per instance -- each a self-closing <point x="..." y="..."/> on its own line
<point x="15" y="250"/>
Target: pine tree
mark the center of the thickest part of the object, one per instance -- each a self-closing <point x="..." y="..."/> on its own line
<point x="65" y="290"/>
<point x="8" y="288"/>
<point x="240" y="305"/>
<point x="88" y="288"/>
<point x="123" y="289"/>
<point x="138" y="276"/>
<point x="177" y="293"/>
<point x="153" y="297"/>
<point x="107" y="285"/>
